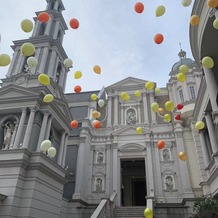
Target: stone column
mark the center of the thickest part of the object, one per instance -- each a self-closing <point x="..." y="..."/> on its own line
<point x="109" y="109"/>
<point x="64" y="151"/>
<point x="108" y="161"/>
<point x="48" y="27"/>
<point x="115" y="173"/>
<point x="149" y="168"/>
<point x="12" y="65"/>
<point x="145" y="105"/>
<point x="211" y="87"/>
<point x="43" y="60"/>
<point x="47" y="134"/>
<point x="116" y="110"/>
<point x="61" y="149"/>
<point x="211" y="132"/>
<point x="43" y="129"/>
<point x="139" y="113"/>
<point x="122" y="114"/>
<point x="204" y="148"/>
<point x="186" y="187"/>
<point x="20" y="128"/>
<point x="29" y="127"/>
<point x="153" y="115"/>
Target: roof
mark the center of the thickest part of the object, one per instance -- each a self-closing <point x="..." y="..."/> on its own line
<point x="79" y="112"/>
<point x="185" y="61"/>
<point x="80" y="97"/>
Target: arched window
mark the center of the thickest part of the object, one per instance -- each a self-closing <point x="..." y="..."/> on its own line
<point x="192" y="92"/>
<point x="58" y="73"/>
<point x="41" y="29"/>
<point x="59" y="36"/>
<point x="51" y="5"/>
<point x="181" y="96"/>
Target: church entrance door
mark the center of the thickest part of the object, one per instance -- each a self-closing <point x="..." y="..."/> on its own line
<point x="133" y="182"/>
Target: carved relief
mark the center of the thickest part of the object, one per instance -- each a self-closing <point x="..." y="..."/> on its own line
<point x="99" y="184"/>
<point x="100" y="157"/>
<point x="169" y="182"/>
<point x="166" y="155"/>
<point x="130" y="116"/>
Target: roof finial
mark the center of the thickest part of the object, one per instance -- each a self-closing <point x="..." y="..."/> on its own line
<point x="181" y="54"/>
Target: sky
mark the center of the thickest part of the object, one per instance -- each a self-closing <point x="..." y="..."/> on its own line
<point x="112" y="35"/>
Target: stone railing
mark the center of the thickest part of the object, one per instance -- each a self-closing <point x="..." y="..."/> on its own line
<point x="105" y="208"/>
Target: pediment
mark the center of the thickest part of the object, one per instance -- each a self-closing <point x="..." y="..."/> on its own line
<point x="128" y="82"/>
<point x="127" y="130"/>
<point x="13" y="91"/>
<point x="132" y="147"/>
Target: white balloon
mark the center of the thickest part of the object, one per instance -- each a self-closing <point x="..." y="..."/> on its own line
<point x="45" y="145"/>
<point x="32" y="62"/>
<point x="68" y="63"/>
<point x="52" y="152"/>
<point x="101" y="103"/>
<point x="186" y="3"/>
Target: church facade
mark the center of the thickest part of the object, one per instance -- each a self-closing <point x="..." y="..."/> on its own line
<point x="95" y="170"/>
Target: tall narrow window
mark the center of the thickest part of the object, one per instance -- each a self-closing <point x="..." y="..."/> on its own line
<point x="192" y="92"/>
<point x="181" y="96"/>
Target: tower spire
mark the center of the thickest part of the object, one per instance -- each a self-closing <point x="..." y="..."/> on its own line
<point x="181" y="54"/>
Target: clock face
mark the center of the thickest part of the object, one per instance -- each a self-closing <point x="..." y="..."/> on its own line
<point x="20" y="80"/>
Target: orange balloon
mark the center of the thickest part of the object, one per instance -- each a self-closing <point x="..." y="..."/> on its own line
<point x="96" y="124"/>
<point x="182" y="155"/>
<point x="158" y="38"/>
<point x="97" y="69"/>
<point x="43" y="17"/>
<point x="194" y="20"/>
<point x="212" y="3"/>
<point x="74" y="23"/>
<point x="139" y="7"/>
<point x="74" y="124"/>
<point x="77" y="89"/>
<point x="160" y="144"/>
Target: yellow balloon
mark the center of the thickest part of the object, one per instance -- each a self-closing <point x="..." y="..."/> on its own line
<point x="123" y="95"/>
<point x="186" y="3"/>
<point x="149" y="85"/>
<point x="160" y="110"/>
<point x="199" y="125"/>
<point x="137" y="93"/>
<point x="183" y="68"/>
<point x="157" y="90"/>
<point x="78" y="74"/>
<point x="154" y="107"/>
<point x="160" y="10"/>
<point x="97" y="69"/>
<point x="194" y="20"/>
<point x="148" y="213"/>
<point x="44" y="79"/>
<point x="127" y="98"/>
<point x="93" y="97"/>
<point x="181" y="77"/>
<point x="139" y="130"/>
<point x="182" y="155"/>
<point x="95" y="114"/>
<point x="167" y="118"/>
<point x="4" y="60"/>
<point x="48" y="98"/>
<point x="169" y="105"/>
<point x="215" y="23"/>
<point x="27" y="25"/>
<point x="27" y="49"/>
<point x="207" y="62"/>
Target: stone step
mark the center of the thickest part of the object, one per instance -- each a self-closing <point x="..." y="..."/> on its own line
<point x="127" y="212"/>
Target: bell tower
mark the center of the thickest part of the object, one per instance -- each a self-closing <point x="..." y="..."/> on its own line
<point x="49" y="52"/>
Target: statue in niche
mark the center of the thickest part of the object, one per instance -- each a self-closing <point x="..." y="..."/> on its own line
<point x="8" y="132"/>
<point x="166" y="155"/>
<point x="100" y="157"/>
<point x="169" y="183"/>
<point x="98" y="184"/>
<point x="131" y="117"/>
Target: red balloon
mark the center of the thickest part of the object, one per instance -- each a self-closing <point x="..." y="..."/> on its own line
<point x="178" y="117"/>
<point x="139" y="7"/>
<point x="74" y="124"/>
<point x="160" y="144"/>
<point x="96" y="124"/>
<point x="74" y="23"/>
<point x="158" y="38"/>
<point x="77" y="89"/>
<point x="43" y="17"/>
<point x="179" y="106"/>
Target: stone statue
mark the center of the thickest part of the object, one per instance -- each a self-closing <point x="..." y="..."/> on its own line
<point x="131" y="117"/>
<point x="98" y="184"/>
<point x="100" y="157"/>
<point x="169" y="183"/>
<point x="166" y="155"/>
<point x="8" y="132"/>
